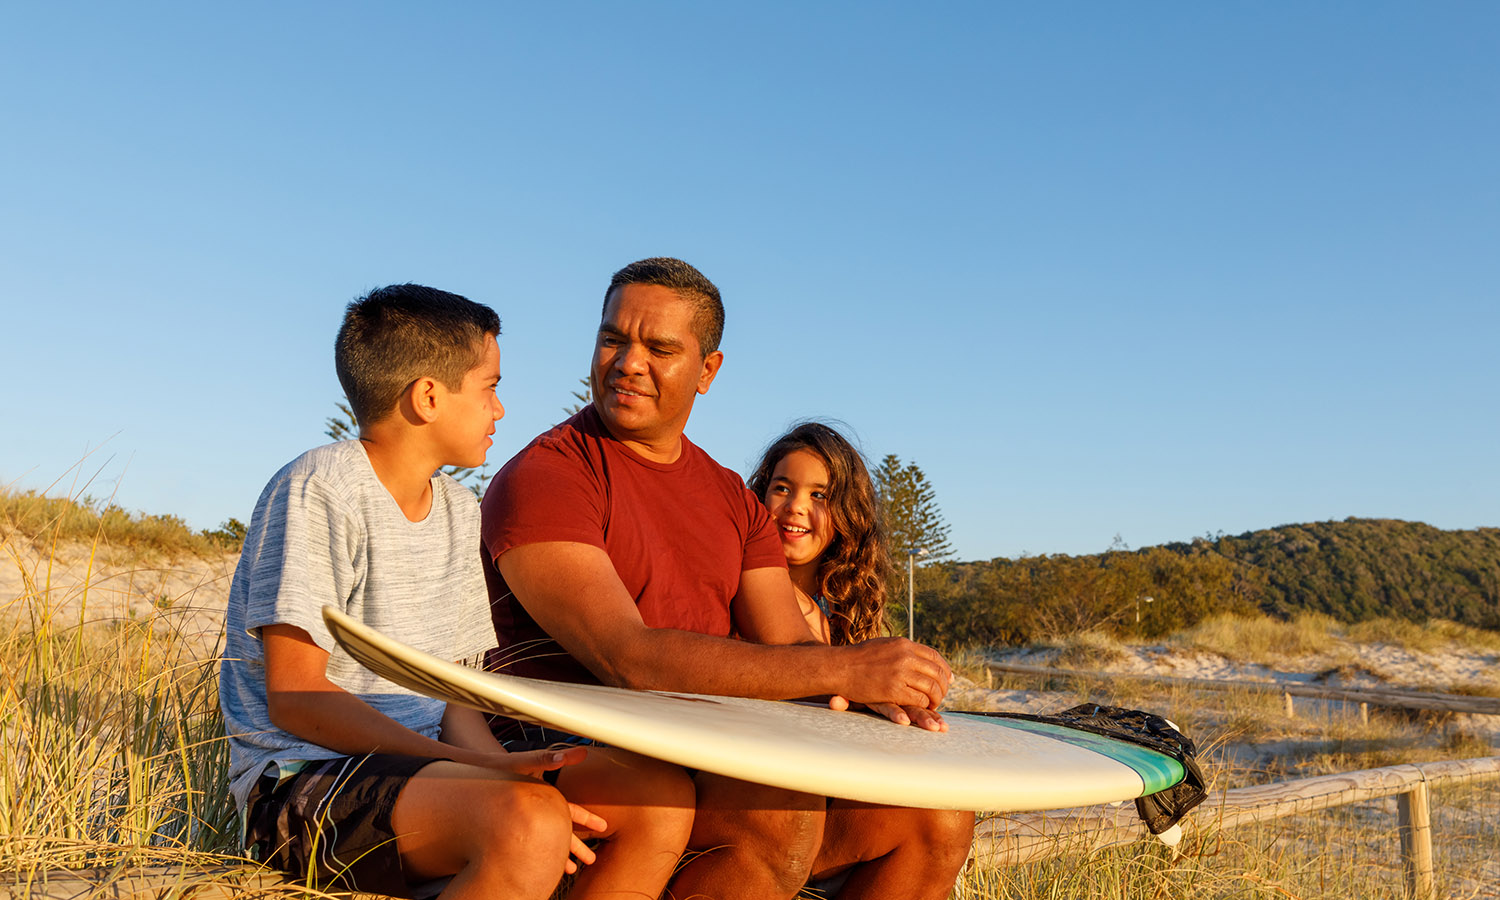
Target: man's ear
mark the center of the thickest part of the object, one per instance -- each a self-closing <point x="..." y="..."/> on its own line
<point x="711" y="364"/>
<point x="423" y="399"/>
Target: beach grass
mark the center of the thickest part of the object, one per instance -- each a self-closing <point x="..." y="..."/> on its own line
<point x="112" y="751"/>
<point x="109" y="530"/>
<point x="1260" y="638"/>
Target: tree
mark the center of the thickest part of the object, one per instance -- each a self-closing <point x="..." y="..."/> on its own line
<point x="912" y="522"/>
<point x="912" y="517"/>
<point x="343" y="428"/>
<point x="584" y="398"/>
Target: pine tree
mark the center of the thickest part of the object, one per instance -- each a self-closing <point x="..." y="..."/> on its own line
<point x="584" y="398"/>
<point x="912" y="518"/>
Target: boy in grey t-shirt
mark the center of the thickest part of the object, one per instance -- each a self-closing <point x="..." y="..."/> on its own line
<point x="344" y="778"/>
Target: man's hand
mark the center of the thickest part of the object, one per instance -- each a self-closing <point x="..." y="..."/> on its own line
<point x="896" y="672"/>
<point x="919" y="716"/>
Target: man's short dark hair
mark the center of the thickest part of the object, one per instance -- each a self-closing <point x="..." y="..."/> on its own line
<point x="394" y="335"/>
<point x="689" y="283"/>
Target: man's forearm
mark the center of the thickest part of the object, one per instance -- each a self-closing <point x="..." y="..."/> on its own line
<point x="888" y="670"/>
<point x="666" y="659"/>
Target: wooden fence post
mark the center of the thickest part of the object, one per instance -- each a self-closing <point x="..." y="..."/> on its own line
<point x="1415" y="824"/>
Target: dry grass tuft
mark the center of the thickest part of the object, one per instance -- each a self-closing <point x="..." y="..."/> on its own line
<point x="1431" y="636"/>
<point x="113" y="749"/>
<point x="1260" y="638"/>
<point x="1089" y="650"/>
<point x="45" y="522"/>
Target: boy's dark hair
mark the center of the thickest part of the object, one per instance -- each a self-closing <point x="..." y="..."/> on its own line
<point x="852" y="572"/>
<point x="689" y="283"/>
<point x="394" y="335"/>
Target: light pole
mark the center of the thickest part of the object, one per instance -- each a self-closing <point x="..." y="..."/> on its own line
<point x="911" y="591"/>
<point x="1138" y="600"/>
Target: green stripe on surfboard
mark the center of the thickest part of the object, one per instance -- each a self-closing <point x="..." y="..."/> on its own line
<point x="1157" y="771"/>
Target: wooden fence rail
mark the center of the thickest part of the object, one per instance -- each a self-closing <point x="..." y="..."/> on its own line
<point x="1027" y="837"/>
<point x="1489" y="706"/>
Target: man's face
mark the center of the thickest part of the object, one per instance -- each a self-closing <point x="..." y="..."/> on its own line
<point x="470" y="413"/>
<point x="648" y="366"/>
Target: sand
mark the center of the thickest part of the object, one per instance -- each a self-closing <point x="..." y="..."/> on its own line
<point x="74" y="584"/>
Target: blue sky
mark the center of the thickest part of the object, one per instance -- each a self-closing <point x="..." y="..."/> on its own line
<point x="1152" y="270"/>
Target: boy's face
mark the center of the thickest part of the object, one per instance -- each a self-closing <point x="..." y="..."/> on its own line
<point x="471" y="412"/>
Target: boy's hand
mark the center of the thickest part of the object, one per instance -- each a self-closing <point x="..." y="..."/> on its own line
<point x="585" y="824"/>
<point x="537" y="762"/>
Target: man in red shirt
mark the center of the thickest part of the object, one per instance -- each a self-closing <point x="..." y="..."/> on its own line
<point x="618" y="539"/>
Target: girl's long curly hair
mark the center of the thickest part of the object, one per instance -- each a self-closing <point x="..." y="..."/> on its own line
<point x="851" y="573"/>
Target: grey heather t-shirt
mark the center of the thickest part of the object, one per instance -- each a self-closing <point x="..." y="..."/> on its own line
<point x="326" y="531"/>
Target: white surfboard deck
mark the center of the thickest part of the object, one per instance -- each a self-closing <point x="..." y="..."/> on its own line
<point x="980" y="763"/>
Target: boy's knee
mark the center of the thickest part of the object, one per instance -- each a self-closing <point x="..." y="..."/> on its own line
<point x="522" y="813"/>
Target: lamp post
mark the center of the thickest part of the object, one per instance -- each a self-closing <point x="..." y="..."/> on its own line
<point x="1138" y="600"/>
<point x="911" y="591"/>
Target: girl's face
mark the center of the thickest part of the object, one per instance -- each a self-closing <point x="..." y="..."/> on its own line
<point x="798" y="500"/>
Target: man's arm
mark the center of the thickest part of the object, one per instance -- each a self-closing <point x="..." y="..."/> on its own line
<point x="574" y="594"/>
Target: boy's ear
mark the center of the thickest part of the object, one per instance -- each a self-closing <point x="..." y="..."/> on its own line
<point x="422" y="398"/>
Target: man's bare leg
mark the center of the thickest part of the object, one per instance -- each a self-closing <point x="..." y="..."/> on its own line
<point x="753" y="842"/>
<point x="896" y="853"/>
<point x="649" y="807"/>
<point x="499" y="834"/>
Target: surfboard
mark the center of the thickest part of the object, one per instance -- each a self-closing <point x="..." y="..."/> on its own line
<point x="980" y="763"/>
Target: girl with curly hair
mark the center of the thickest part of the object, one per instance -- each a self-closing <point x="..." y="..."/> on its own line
<point x="819" y="492"/>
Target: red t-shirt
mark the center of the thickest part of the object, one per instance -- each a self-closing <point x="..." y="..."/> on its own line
<point x="679" y="534"/>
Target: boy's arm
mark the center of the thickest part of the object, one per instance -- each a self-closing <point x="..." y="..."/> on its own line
<point x="302" y="701"/>
<point x="464" y="727"/>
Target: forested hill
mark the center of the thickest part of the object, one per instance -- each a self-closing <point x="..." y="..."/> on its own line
<point x="1352" y="570"/>
<point x="1364" y="568"/>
